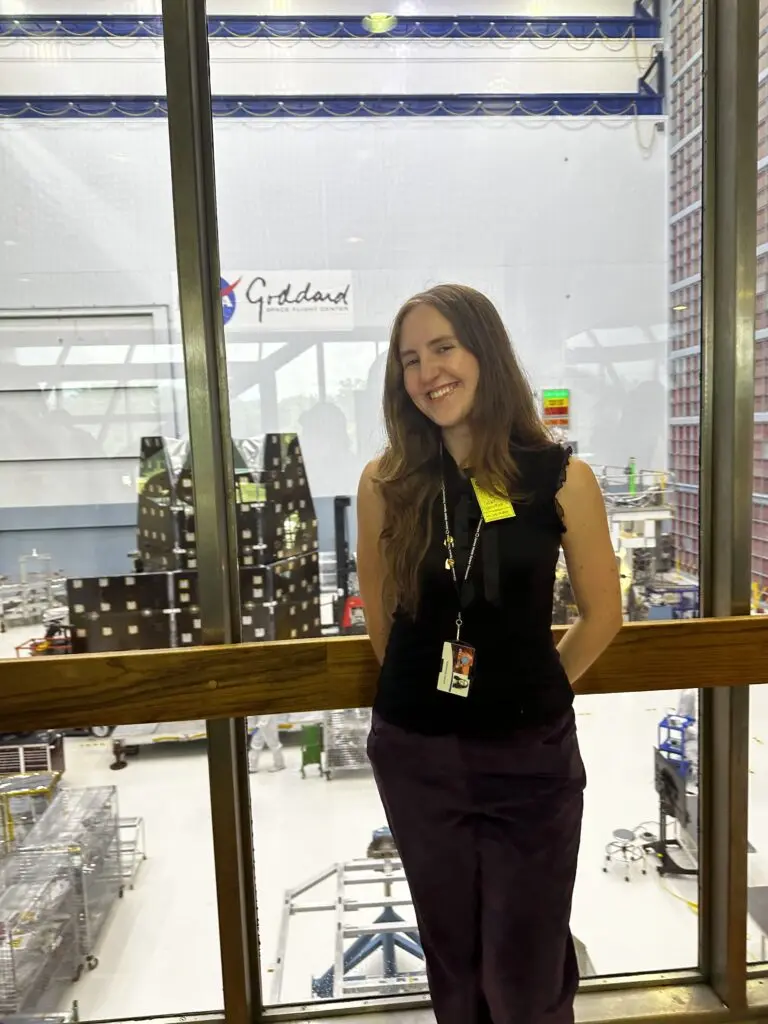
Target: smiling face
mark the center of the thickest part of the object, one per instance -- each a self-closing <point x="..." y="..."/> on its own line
<point x="440" y="375"/>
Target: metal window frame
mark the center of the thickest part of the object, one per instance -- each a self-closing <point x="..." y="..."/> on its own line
<point x="190" y="131"/>
<point x="728" y="275"/>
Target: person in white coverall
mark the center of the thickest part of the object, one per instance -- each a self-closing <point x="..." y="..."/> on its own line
<point x="266" y="734"/>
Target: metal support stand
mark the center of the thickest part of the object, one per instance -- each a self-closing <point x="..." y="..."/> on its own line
<point x="387" y="933"/>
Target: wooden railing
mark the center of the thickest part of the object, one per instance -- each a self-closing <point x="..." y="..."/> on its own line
<point x="311" y="675"/>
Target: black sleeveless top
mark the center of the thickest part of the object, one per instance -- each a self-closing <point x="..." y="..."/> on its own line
<point x="507" y="615"/>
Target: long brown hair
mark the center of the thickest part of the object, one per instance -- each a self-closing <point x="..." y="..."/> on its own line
<point x="409" y="471"/>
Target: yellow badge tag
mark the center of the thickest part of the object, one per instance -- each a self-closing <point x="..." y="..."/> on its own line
<point x="492" y="506"/>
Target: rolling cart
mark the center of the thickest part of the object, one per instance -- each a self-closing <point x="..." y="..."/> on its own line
<point x="24" y="799"/>
<point x="345" y="735"/>
<point x="78" y="842"/>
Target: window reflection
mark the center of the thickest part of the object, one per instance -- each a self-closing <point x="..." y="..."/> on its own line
<point x="92" y="364"/>
<point x="757" y="894"/>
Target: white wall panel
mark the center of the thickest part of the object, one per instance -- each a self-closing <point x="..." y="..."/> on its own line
<point x="563" y="223"/>
<point x="62" y="68"/>
<point x="76" y="423"/>
<point x="76" y="482"/>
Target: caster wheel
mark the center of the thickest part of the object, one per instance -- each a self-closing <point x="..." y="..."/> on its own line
<point x="328" y="776"/>
<point x="122" y="891"/>
<point x="605" y="871"/>
<point x="644" y="871"/>
<point x="91" y="962"/>
<point x="626" y="879"/>
<point x="117" y="766"/>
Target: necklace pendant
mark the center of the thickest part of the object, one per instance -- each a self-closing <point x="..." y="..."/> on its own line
<point x="449" y="564"/>
<point x="448" y="542"/>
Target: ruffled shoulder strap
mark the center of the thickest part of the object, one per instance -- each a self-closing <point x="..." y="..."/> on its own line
<point x="563" y="455"/>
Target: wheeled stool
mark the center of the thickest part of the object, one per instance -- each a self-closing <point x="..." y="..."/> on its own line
<point x="626" y="848"/>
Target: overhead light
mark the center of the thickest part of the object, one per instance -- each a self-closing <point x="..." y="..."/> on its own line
<point x="379" y="23"/>
<point x="679" y="309"/>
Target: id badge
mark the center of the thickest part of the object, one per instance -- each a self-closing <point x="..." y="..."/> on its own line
<point x="456" y="669"/>
<point x="492" y="507"/>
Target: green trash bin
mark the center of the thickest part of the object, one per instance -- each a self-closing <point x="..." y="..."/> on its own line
<point x="311" y="748"/>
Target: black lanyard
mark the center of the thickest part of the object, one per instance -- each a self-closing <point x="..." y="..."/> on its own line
<point x="450" y="562"/>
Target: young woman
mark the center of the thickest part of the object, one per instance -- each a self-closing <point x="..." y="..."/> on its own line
<point x="473" y="743"/>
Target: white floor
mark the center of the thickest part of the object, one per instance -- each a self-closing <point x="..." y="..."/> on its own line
<point x="159" y="953"/>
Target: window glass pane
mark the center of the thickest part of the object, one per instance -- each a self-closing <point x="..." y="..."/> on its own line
<point x="585" y="230"/>
<point x="639" y="850"/>
<point x="97" y="542"/>
<point x="757" y="922"/>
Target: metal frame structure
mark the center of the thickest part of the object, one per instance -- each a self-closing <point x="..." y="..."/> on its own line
<point x="729" y="275"/>
<point x="388" y="932"/>
<point x="721" y="989"/>
<point x="190" y="130"/>
<point x="729" y="271"/>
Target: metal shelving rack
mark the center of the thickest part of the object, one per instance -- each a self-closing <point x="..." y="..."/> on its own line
<point x="23" y="801"/>
<point x="37" y="590"/>
<point x="345" y="736"/>
<point x="78" y="839"/>
<point x="133" y="849"/>
<point x="41" y="751"/>
<point x="38" y="932"/>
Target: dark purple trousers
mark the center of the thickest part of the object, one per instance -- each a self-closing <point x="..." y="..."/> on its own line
<point x="488" y="832"/>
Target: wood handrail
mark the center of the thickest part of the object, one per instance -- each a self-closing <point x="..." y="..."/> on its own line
<point x="316" y="675"/>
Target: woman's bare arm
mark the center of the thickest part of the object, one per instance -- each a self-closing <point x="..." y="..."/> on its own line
<point x="370" y="563"/>
<point x="592" y="569"/>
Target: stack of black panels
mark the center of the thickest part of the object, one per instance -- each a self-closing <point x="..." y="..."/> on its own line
<point x="276" y="548"/>
<point x="165" y="537"/>
<point x="280" y="601"/>
<point x="119" y="613"/>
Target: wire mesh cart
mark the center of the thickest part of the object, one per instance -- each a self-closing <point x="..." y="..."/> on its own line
<point x="345" y="737"/>
<point x="23" y="801"/>
<point x="38" y="933"/>
<point x="133" y="848"/>
<point x="78" y="839"/>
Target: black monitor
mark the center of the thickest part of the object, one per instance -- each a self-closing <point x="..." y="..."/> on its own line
<point x="670" y="785"/>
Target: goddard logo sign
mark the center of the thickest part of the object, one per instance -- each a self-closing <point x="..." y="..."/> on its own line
<point x="295" y="300"/>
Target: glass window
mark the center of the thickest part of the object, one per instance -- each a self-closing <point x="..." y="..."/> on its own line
<point x="107" y="888"/>
<point x="331" y="886"/>
<point x="363" y="182"/>
<point x="757" y="921"/>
